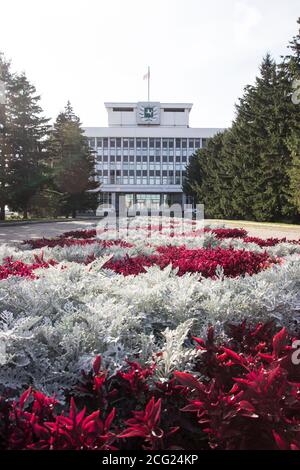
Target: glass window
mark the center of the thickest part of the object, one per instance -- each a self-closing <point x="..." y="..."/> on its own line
<point x="112" y="143"/>
<point x="99" y="142"/>
<point x="118" y="143"/>
<point x="178" y="143"/>
<point x="131" y="143"/>
<point x="157" y="143"/>
<point x="151" y="143"/>
<point x="138" y="143"/>
<point x="171" y="143"/>
<point x="145" y="143"/>
<point x="105" y="143"/>
<point x="197" y="143"/>
<point x="184" y="143"/>
<point x="191" y="143"/>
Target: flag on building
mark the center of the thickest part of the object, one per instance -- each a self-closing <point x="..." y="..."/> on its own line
<point x="147" y="75"/>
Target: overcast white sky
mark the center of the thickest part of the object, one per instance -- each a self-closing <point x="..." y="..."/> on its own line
<point x="93" y="51"/>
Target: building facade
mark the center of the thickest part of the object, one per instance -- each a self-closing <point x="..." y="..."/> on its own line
<point x="144" y="151"/>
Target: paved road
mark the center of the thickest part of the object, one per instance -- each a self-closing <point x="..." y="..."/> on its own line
<point x="22" y="232"/>
<point x="48" y="230"/>
<point x="264" y="231"/>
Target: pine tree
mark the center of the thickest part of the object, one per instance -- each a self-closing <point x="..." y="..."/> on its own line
<point x="27" y="132"/>
<point x="5" y="149"/>
<point x="73" y="163"/>
<point x="294" y="171"/>
<point x="290" y="72"/>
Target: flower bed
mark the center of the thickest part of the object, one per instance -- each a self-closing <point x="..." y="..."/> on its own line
<point x="237" y="391"/>
<point x="136" y="298"/>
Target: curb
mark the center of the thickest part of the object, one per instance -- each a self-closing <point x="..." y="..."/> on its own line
<point x="34" y="222"/>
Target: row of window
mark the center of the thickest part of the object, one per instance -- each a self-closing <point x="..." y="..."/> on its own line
<point x="141" y="159"/>
<point x="132" y="167"/>
<point x="145" y="143"/>
<point x="139" y="180"/>
<point x="140" y="172"/>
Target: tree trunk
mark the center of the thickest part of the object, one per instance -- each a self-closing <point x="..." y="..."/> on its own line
<point x="73" y="213"/>
<point x="2" y="212"/>
<point x="25" y="213"/>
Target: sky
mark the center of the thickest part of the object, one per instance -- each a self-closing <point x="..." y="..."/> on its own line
<point x="93" y="51"/>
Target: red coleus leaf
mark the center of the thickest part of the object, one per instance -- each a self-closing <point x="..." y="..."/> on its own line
<point x="279" y="342"/>
<point x="24" y="397"/>
<point x="280" y="442"/>
<point x="97" y="364"/>
<point x="233" y="355"/>
<point x="187" y="380"/>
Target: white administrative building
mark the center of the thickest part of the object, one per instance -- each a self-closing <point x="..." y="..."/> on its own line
<point x="143" y="152"/>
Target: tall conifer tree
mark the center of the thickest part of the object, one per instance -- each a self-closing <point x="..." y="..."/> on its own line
<point x="73" y="163"/>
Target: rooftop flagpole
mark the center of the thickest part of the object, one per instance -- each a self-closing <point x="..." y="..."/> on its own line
<point x="147" y="75"/>
<point x="148" y="83"/>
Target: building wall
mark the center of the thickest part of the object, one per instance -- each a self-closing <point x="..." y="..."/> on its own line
<point x="148" y="158"/>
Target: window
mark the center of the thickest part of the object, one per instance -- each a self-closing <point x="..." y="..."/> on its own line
<point x="99" y="142"/>
<point x="174" y="110"/>
<point x="105" y="143"/>
<point x="91" y="142"/>
<point x="184" y="143"/>
<point x="131" y="143"/>
<point x="191" y="143"/>
<point x="112" y="143"/>
<point x="119" y="143"/>
<point x="178" y="143"/>
<point x="123" y="110"/>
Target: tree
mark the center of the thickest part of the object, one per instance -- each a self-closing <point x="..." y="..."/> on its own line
<point x="294" y="171"/>
<point x="28" y="130"/>
<point x="73" y="163"/>
<point x="290" y="70"/>
<point x="5" y="148"/>
<point x="244" y="171"/>
<point x="263" y="127"/>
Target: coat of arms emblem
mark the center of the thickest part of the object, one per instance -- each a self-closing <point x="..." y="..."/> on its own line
<point x="148" y="114"/>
